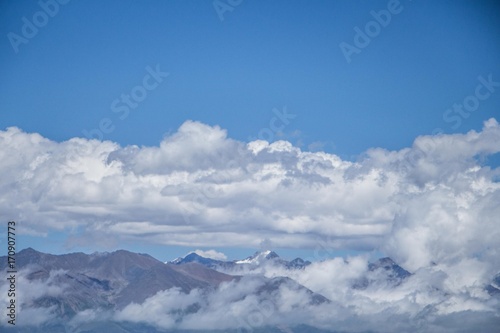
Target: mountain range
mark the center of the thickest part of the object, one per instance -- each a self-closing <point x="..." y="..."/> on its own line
<point x="118" y="281"/>
<point x="255" y="260"/>
<point x="111" y="281"/>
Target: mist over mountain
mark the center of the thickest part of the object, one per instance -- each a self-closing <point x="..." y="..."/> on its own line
<point x="123" y="291"/>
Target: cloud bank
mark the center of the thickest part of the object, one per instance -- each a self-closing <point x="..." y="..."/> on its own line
<point x="423" y="304"/>
<point x="434" y="202"/>
<point x="430" y="300"/>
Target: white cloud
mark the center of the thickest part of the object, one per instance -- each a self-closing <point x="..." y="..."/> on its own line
<point x="438" y="298"/>
<point x="27" y="292"/>
<point x="432" y="203"/>
<point x="422" y="304"/>
<point x="211" y="254"/>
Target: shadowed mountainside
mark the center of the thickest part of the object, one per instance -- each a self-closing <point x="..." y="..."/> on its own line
<point x="107" y="280"/>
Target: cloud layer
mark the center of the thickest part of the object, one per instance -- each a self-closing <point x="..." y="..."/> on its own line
<point x="430" y="300"/>
<point x="435" y="202"/>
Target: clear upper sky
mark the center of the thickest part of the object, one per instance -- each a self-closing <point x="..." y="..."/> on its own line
<point x="231" y="65"/>
<point x="233" y="72"/>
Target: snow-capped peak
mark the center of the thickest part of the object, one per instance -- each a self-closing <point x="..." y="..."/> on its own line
<point x="175" y="261"/>
<point x="258" y="257"/>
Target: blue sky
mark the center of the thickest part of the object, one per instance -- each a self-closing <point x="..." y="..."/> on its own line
<point x="262" y="56"/>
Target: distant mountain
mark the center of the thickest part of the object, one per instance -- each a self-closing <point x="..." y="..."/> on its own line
<point x="494" y="287"/>
<point x="274" y="284"/>
<point x="297" y="263"/>
<point x="109" y="280"/>
<point x="259" y="257"/>
<point x="394" y="271"/>
<point x="383" y="271"/>
<point x="207" y="262"/>
<point x="255" y="260"/>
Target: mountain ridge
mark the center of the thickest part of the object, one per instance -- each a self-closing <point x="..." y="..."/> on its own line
<point x="112" y="282"/>
<point x="256" y="259"/>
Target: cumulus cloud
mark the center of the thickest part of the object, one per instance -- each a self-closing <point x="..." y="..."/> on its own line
<point x="434" y="203"/>
<point x="211" y="254"/>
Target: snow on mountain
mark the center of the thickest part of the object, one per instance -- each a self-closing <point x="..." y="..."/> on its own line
<point x="207" y="262"/>
<point x="176" y="261"/>
<point x="258" y="257"/>
<point x="254" y="261"/>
